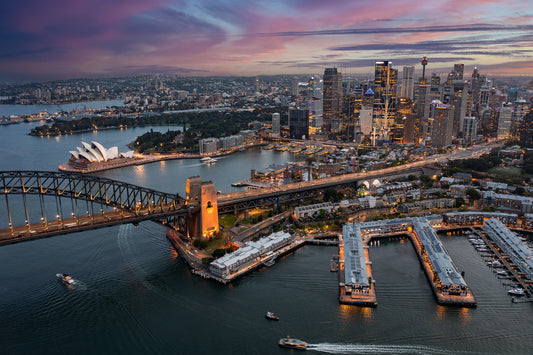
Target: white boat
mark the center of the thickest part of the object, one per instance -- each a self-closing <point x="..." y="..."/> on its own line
<point x="65" y="279"/>
<point x="517" y="292"/>
<point x="210" y="161"/>
<point x="292" y="343"/>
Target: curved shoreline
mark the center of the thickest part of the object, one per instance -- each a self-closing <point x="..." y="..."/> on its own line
<point x="147" y="159"/>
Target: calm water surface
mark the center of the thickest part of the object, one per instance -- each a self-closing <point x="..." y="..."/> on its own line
<point x="134" y="295"/>
<point x="18" y="110"/>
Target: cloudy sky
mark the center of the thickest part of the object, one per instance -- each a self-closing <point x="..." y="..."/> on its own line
<point x="60" y="39"/>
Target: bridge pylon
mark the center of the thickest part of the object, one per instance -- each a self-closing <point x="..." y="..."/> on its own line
<point x="202" y="202"/>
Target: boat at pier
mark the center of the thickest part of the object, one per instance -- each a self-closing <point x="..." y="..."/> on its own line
<point x="270" y="262"/>
<point x="292" y="343"/>
<point x="271" y="316"/>
<point x="517" y="292"/>
<point x="66" y="279"/>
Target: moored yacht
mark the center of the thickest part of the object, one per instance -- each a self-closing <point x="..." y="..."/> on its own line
<point x="517" y="292"/>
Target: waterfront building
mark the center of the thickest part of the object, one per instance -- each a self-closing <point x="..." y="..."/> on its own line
<point x="96" y="153"/>
<point x="441" y="124"/>
<point x="252" y="251"/>
<point x="275" y="124"/>
<point x="385" y="90"/>
<point x="446" y="276"/>
<point x="332" y="97"/>
<point x="477" y="218"/>
<point x="511" y="245"/>
<point x="504" y="121"/>
<point x="356" y="280"/>
<point x="298" y="123"/>
<point x="506" y="202"/>
<point x="408" y="82"/>
<point x="208" y="145"/>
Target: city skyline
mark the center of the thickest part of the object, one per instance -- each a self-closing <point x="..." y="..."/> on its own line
<point x="100" y="39"/>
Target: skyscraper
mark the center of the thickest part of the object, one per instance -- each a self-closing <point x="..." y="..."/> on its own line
<point x="504" y="121"/>
<point x="385" y="87"/>
<point x="470" y="129"/>
<point x="275" y="124"/>
<point x="442" y="124"/>
<point x="332" y="97"/>
<point x="408" y="82"/>
<point x="526" y="130"/>
<point x="404" y="109"/>
<point x="299" y="123"/>
<point x="458" y="69"/>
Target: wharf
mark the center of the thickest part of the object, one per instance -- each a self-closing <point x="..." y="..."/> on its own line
<point x="198" y="268"/>
<point x="368" y="299"/>
<point x="443" y="299"/>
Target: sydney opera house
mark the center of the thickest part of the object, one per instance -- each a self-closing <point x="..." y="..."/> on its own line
<point x="96" y="153"/>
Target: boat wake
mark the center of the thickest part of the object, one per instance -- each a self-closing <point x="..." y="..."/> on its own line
<point x="378" y="349"/>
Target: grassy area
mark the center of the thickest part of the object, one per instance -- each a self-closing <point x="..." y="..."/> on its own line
<point x="214" y="244"/>
<point x="506" y="171"/>
<point x="254" y="216"/>
<point x="227" y="220"/>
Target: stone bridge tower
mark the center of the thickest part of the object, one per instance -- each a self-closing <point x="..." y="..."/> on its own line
<point x="202" y="203"/>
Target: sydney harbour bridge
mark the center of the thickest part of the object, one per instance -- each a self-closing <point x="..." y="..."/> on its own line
<point x="38" y="204"/>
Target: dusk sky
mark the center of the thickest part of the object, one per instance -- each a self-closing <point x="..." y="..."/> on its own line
<point x="60" y="39"/>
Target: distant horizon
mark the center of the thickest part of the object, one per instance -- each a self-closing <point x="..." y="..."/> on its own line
<point x="100" y="39"/>
<point x="467" y="76"/>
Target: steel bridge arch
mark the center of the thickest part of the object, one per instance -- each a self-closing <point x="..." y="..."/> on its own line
<point x="113" y="193"/>
<point x="127" y="197"/>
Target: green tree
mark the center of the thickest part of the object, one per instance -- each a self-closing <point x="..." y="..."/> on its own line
<point x="473" y="194"/>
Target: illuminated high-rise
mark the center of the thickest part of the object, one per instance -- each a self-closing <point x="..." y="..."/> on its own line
<point x="526" y="130"/>
<point x="275" y="124"/>
<point x="504" y="121"/>
<point x="458" y="69"/>
<point x="441" y="124"/>
<point x="408" y="75"/>
<point x="403" y="110"/>
<point x="299" y="123"/>
<point x="385" y="88"/>
<point x="332" y="97"/>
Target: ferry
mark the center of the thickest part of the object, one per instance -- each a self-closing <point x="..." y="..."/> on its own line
<point x="65" y="279"/>
<point x="292" y="343"/>
<point x="517" y="292"/>
<point x="210" y="161"/>
<point x="271" y="316"/>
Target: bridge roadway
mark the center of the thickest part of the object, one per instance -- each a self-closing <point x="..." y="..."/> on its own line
<point x="272" y="195"/>
<point x="268" y="196"/>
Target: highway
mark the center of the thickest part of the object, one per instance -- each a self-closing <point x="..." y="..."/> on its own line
<point x="241" y="196"/>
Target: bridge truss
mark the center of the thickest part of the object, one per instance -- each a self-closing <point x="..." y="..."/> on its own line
<point x="78" y="202"/>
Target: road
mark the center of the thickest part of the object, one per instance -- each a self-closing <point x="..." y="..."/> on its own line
<point x="471" y="152"/>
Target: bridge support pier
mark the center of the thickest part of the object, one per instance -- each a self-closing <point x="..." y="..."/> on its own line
<point x="202" y="202"/>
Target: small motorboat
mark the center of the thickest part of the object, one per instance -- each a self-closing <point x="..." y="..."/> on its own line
<point x="66" y="279"/>
<point x="271" y="316"/>
<point x="517" y="292"/>
<point x="292" y="343"/>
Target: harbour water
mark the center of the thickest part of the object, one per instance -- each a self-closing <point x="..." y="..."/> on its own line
<point x="134" y="295"/>
<point x="18" y="110"/>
